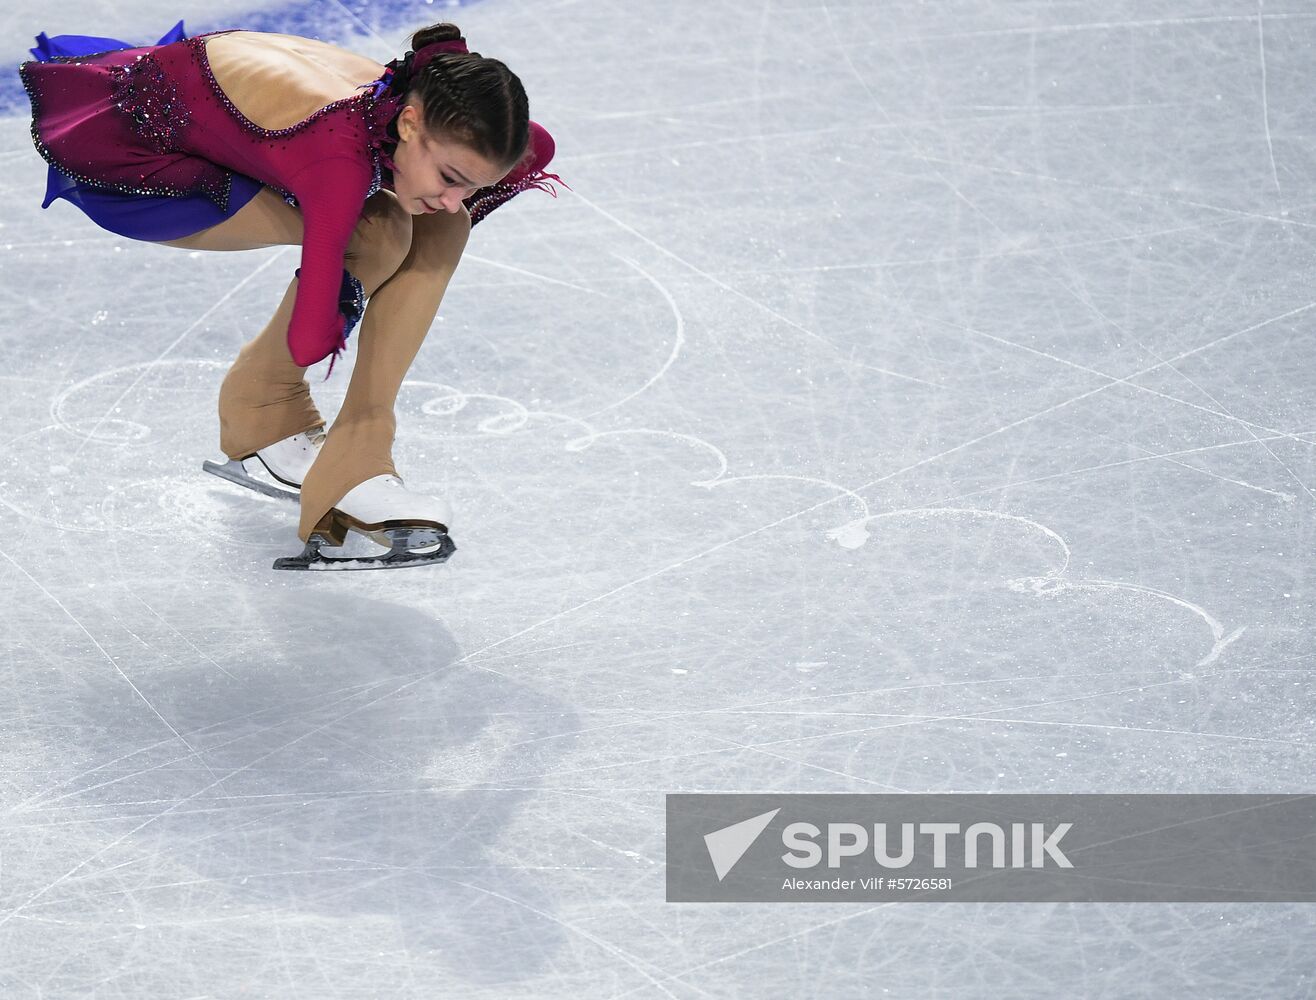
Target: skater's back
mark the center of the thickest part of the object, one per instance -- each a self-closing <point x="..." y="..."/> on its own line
<point x="277" y="80"/>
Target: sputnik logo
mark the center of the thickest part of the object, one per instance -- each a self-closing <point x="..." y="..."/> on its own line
<point x="729" y="844"/>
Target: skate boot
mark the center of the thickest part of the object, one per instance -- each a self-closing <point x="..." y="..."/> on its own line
<point x="289" y="460"/>
<point x="286" y="461"/>
<point x="414" y="527"/>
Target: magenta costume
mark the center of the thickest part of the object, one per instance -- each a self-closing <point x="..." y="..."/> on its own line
<point x="145" y="142"/>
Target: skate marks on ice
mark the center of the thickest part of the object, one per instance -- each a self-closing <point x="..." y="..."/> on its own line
<point x="109" y="428"/>
<point x="362" y="782"/>
<point x="514" y="417"/>
<point x="183" y="501"/>
<point x="1054" y="581"/>
<point x="825" y="344"/>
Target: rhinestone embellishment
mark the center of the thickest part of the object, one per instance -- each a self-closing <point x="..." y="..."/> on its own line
<point x="217" y="191"/>
<point x="143" y="91"/>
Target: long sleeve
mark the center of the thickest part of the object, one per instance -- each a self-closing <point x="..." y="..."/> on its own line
<point x="330" y="193"/>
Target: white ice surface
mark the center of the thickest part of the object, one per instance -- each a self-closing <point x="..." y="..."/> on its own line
<point x="911" y="397"/>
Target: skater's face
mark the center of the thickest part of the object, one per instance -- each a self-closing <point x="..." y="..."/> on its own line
<point x="434" y="172"/>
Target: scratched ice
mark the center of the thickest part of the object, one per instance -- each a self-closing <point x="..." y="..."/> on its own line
<point x="909" y="397"/>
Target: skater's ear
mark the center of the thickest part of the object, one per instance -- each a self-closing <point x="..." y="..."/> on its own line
<point x="411" y="121"/>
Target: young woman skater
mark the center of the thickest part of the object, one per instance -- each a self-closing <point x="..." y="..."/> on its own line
<point x="233" y="140"/>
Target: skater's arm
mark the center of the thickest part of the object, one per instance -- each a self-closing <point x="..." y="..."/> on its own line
<point x="331" y="193"/>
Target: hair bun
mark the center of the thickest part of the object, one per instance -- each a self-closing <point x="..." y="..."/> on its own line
<point x="441" y="32"/>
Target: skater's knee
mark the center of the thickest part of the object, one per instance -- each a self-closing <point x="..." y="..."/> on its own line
<point x="383" y="236"/>
<point x="438" y="240"/>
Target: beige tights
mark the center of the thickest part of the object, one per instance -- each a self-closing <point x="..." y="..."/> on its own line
<point x="405" y="265"/>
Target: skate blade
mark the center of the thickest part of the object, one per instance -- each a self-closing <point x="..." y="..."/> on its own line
<point x="409" y="538"/>
<point x="235" y="472"/>
<point x="407" y="547"/>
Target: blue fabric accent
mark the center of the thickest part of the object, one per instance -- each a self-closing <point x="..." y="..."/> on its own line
<point x="62" y="46"/>
<point x="138" y="217"/>
<point x="351" y="302"/>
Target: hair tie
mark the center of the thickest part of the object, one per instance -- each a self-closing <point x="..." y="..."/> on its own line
<point x="403" y="71"/>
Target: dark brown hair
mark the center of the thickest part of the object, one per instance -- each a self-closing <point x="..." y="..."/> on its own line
<point x="475" y="100"/>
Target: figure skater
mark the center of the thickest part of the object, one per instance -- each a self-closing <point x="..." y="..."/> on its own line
<point x="232" y="140"/>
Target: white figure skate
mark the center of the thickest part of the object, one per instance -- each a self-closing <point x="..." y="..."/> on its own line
<point x="414" y="526"/>
<point x="287" y="461"/>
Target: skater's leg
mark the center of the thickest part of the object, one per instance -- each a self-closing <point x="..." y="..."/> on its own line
<point x="396" y="320"/>
<point x="265" y="397"/>
<point x="265" y="221"/>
